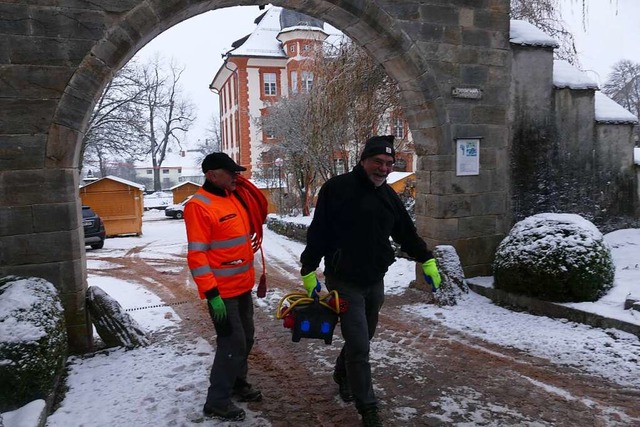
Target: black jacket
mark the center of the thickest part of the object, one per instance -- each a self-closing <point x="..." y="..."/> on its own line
<point x="351" y="226"/>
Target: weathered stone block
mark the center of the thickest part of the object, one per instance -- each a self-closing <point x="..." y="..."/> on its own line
<point x="22" y="152"/>
<point x="115" y="326"/>
<point x="63" y="146"/>
<point x="442" y="229"/>
<point x="55" y="217"/>
<point x="28" y="248"/>
<point x="33" y="359"/>
<point x="115" y="50"/>
<point x="476" y="37"/>
<point x="472" y="74"/>
<point x="16" y="220"/>
<point x="478" y="226"/>
<point x="14" y="19"/>
<point x="65" y="23"/>
<point x="140" y="23"/>
<point x="48" y="50"/>
<point x="14" y="111"/>
<point x="477" y="250"/>
<point x="68" y="276"/>
<point x="31" y="82"/>
<point x="489" y="114"/>
<point x="39" y="186"/>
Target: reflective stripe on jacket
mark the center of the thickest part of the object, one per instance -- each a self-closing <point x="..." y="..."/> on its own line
<point x="219" y="244"/>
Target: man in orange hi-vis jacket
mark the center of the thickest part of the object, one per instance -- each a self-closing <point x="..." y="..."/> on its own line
<point x="220" y="257"/>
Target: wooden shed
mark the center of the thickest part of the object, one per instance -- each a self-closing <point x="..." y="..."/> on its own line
<point x="118" y="202"/>
<point x="183" y="190"/>
<point x="403" y="182"/>
<point x="270" y="191"/>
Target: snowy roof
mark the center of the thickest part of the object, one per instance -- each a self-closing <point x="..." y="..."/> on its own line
<point x="262" y="41"/>
<point x="188" y="160"/>
<point x="117" y="179"/>
<point x="397" y="176"/>
<point x="527" y="34"/>
<point x="566" y="75"/>
<point x="184" y="183"/>
<point x="302" y="28"/>
<point x="609" y="111"/>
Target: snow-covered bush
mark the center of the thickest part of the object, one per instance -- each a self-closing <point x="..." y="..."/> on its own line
<point x="555" y="257"/>
<point x="33" y="340"/>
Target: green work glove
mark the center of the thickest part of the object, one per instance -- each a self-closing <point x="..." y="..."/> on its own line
<point x="311" y="283"/>
<point x="219" y="309"/>
<point x="431" y="274"/>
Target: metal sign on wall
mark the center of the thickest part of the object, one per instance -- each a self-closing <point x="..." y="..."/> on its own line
<point x="466" y="92"/>
<point x="467" y="156"/>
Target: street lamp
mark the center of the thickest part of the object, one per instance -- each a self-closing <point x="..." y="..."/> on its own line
<point x="279" y="163"/>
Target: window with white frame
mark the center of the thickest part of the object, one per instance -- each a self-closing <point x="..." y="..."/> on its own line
<point x="398" y="127"/>
<point x="294" y="82"/>
<point x="340" y="169"/>
<point x="269" y="84"/>
<point x="307" y="81"/>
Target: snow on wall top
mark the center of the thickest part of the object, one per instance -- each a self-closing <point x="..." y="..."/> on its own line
<point x="609" y="111"/>
<point x="527" y="34"/>
<point x="566" y="75"/>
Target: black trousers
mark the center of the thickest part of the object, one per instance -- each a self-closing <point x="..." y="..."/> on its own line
<point x="358" y="325"/>
<point x="234" y="342"/>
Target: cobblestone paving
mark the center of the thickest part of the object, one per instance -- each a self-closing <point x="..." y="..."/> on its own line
<point x="425" y="374"/>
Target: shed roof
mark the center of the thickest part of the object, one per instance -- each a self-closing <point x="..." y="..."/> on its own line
<point x="397" y="176"/>
<point x="184" y="183"/>
<point x="117" y="179"/>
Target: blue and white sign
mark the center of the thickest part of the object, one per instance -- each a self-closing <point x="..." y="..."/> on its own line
<point x="467" y="156"/>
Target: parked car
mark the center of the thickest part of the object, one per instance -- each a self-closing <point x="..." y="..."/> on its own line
<point x="94" y="232"/>
<point x="176" y="211"/>
<point x="157" y="200"/>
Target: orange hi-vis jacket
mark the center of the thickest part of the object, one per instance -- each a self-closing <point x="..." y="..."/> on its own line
<point x="220" y="255"/>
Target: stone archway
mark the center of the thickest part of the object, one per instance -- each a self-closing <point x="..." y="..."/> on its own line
<point x="55" y="60"/>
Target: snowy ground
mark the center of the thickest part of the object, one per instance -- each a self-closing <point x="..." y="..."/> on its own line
<point x="164" y="384"/>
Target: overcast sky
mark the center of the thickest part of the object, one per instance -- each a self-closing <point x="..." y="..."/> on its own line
<point x="612" y="33"/>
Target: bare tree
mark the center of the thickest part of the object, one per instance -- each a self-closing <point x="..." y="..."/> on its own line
<point x="168" y="115"/>
<point x="114" y="130"/>
<point x="623" y="86"/>
<point x="545" y="14"/>
<point x="327" y="120"/>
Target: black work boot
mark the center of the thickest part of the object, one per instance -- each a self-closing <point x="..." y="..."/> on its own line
<point x="245" y="392"/>
<point x="229" y="413"/>
<point x="371" y="418"/>
<point x="343" y="386"/>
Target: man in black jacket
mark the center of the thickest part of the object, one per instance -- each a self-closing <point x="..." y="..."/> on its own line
<point x="355" y="215"/>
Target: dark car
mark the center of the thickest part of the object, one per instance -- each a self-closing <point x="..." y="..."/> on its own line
<point x="94" y="232"/>
<point x="176" y="211"/>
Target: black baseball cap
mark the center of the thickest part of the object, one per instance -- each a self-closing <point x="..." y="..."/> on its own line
<point x="220" y="161"/>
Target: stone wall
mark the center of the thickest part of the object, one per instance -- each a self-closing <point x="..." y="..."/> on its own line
<point x="56" y="57"/>
<point x="562" y="159"/>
